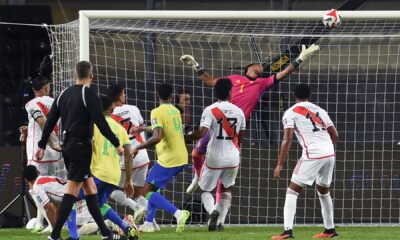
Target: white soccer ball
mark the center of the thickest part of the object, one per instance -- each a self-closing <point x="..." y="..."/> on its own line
<point x="331" y="18"/>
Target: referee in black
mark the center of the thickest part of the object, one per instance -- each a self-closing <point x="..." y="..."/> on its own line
<point x="78" y="106"/>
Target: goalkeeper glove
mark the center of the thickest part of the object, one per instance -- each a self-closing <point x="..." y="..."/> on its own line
<point x="188" y="59"/>
<point x="305" y="54"/>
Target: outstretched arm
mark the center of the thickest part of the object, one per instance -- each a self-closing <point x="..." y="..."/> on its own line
<point x="196" y="135"/>
<point x="203" y="75"/>
<point x="155" y="138"/>
<point x="304" y="55"/>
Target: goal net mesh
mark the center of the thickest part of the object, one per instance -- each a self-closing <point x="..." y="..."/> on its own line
<point x="354" y="77"/>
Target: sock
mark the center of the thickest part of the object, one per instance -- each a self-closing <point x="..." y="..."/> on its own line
<point x="151" y="212"/>
<point x="218" y="192"/>
<point x="141" y="200"/>
<point x="39" y="211"/>
<point x="71" y="224"/>
<point x="178" y="214"/>
<point x="197" y="161"/>
<point x="327" y="210"/>
<point x="290" y="208"/>
<point x="121" y="199"/>
<point x="208" y="201"/>
<point x="63" y="211"/>
<point x="94" y="210"/>
<point x="161" y="202"/>
<point x="111" y="215"/>
<point x="223" y="206"/>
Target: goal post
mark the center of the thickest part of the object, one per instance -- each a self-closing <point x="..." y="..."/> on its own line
<point x="354" y="77"/>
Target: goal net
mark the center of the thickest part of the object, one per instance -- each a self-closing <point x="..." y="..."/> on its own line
<point x="354" y="77"/>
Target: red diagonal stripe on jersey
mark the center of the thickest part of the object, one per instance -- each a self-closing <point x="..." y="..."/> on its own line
<point x="125" y="124"/>
<point x="44" y="180"/>
<point x="45" y="111"/>
<point x="303" y="111"/>
<point x="218" y="114"/>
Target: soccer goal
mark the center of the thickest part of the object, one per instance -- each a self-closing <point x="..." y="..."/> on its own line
<point x="354" y="77"/>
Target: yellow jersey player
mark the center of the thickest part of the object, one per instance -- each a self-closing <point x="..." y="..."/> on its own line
<point x="166" y="123"/>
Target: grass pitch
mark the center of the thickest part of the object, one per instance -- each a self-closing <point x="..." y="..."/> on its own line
<point x="230" y="233"/>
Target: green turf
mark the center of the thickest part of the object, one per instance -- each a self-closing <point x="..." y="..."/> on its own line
<point x="232" y="233"/>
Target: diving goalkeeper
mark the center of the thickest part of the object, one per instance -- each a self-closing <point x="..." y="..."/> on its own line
<point x="246" y="92"/>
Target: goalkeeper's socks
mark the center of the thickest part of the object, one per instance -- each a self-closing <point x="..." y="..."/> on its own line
<point x="290" y="208"/>
<point x="151" y="212"/>
<point x="63" y="212"/>
<point x="198" y="161"/>
<point x="327" y="210"/>
<point x="208" y="201"/>
<point x="71" y="224"/>
<point x="113" y="217"/>
<point x="160" y="201"/>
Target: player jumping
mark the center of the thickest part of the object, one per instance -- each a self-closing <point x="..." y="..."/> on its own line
<point x="317" y="136"/>
<point x="226" y="123"/>
<point x="246" y="92"/>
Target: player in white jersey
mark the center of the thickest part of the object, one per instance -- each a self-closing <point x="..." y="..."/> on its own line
<point x="49" y="191"/>
<point x="317" y="136"/>
<point x="226" y="123"/>
<point x="129" y="116"/>
<point x="37" y="110"/>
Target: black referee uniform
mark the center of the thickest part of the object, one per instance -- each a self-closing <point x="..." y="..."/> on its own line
<point x="78" y="106"/>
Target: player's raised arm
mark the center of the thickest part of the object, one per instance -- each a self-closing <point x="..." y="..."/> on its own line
<point x="285" y="147"/>
<point x="304" y="55"/>
<point x="203" y="75"/>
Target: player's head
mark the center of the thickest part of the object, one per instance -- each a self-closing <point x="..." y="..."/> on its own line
<point x="223" y="89"/>
<point x="30" y="173"/>
<point x="107" y="104"/>
<point x="253" y="70"/>
<point x="302" y="92"/>
<point x="117" y="94"/>
<point x="41" y="85"/>
<point x="182" y="98"/>
<point x="84" y="71"/>
<point x="165" y="92"/>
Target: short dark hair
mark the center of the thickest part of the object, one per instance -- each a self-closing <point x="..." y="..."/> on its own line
<point x="30" y="173"/>
<point x="114" y="92"/>
<point x="106" y="102"/>
<point x="165" y="90"/>
<point x="39" y="82"/>
<point x="180" y="91"/>
<point x="247" y="68"/>
<point x="302" y="91"/>
<point x="222" y="88"/>
<point x="83" y="69"/>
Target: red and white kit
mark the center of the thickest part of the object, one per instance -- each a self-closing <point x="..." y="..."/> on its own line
<point x="224" y="121"/>
<point x="317" y="162"/>
<point x="39" y="107"/>
<point x="49" y="188"/>
<point x="129" y="116"/>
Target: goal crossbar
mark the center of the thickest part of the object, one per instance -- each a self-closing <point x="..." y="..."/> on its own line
<point x="86" y="15"/>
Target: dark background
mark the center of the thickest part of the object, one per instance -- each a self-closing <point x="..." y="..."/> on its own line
<point x="360" y="93"/>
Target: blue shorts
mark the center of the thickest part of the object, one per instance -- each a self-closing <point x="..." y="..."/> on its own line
<point x="103" y="191"/>
<point x="160" y="176"/>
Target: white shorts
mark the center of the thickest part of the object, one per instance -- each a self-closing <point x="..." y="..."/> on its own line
<point x="138" y="176"/>
<point x="45" y="168"/>
<point x="320" y="170"/>
<point x="209" y="177"/>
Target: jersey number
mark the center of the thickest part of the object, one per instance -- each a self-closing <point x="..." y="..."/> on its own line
<point x="232" y="124"/>
<point x="315" y="129"/>
<point x="106" y="148"/>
